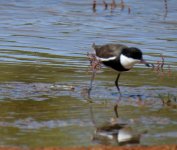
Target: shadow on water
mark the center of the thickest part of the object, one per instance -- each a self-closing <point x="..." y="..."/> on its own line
<point x="44" y="74"/>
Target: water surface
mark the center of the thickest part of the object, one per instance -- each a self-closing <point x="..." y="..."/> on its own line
<point x="44" y="71"/>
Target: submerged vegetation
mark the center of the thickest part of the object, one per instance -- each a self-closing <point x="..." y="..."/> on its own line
<point x="168" y="100"/>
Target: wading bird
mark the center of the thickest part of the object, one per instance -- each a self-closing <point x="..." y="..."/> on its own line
<point x="119" y="57"/>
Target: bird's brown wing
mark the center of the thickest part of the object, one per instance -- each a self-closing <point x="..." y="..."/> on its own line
<point x="108" y="50"/>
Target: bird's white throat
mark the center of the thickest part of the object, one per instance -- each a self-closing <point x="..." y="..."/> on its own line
<point x="128" y="62"/>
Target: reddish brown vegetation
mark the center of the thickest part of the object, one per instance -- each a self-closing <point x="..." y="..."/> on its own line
<point x="159" y="68"/>
<point x="95" y="64"/>
<point x="112" y="5"/>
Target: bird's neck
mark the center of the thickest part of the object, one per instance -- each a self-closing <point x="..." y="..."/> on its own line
<point x="128" y="62"/>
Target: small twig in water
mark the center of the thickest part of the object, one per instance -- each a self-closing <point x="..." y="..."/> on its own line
<point x="113" y="4"/>
<point x="94" y="6"/>
<point x="166" y="9"/>
<point x="129" y="10"/>
<point x="105" y="5"/>
<point x="122" y="4"/>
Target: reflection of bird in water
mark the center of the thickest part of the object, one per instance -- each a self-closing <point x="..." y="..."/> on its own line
<point x="122" y="136"/>
<point x="114" y="131"/>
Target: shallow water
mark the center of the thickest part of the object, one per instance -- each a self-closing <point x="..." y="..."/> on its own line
<point x="44" y="71"/>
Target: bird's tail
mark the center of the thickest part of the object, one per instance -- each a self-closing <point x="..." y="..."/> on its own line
<point x="94" y="46"/>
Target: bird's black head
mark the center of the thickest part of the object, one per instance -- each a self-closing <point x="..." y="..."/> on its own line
<point x="133" y="52"/>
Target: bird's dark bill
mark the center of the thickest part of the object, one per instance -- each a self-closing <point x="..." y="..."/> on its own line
<point x="144" y="62"/>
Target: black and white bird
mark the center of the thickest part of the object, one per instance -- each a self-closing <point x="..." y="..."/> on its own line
<point x="119" y="57"/>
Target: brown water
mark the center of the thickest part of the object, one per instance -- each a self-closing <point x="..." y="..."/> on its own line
<point x="44" y="71"/>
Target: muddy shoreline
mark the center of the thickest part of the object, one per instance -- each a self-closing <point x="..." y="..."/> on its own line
<point x="163" y="147"/>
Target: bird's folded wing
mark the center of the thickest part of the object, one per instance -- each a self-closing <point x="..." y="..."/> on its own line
<point x="108" y="50"/>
